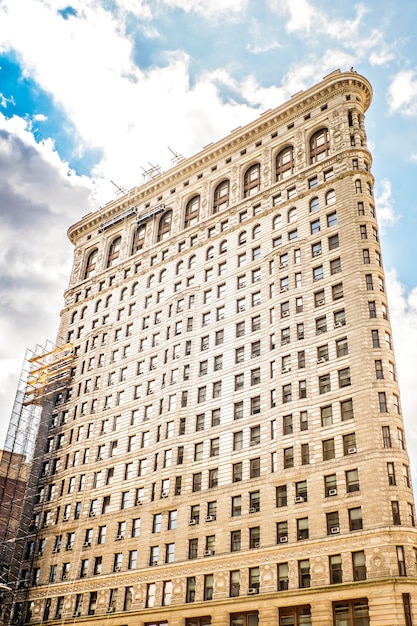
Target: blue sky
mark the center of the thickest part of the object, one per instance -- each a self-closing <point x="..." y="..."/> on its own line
<point x="93" y="90"/>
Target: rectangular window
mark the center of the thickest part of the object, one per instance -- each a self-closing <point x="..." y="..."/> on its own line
<point x="281" y="496"/>
<point x="328" y="449"/>
<point x="304" y="573"/>
<point x="359" y="566"/>
<point x="355" y="518"/>
<point x="335" y="569"/>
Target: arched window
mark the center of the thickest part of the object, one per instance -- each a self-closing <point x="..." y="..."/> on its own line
<point x="252" y="180"/>
<point x="369" y="188"/>
<point x="123" y="293"/>
<point x="221" y="196"/>
<point x="162" y="275"/>
<point x="90" y="266"/>
<point x="331" y="196"/>
<point x="73" y="317"/>
<point x="191" y="262"/>
<point x="314" y="205"/>
<point x="242" y="237"/>
<point x="151" y="280"/>
<point x="164" y="227"/>
<point x="285" y="163"/>
<point x="210" y="253"/>
<point x="97" y="307"/>
<point x="192" y="211"/>
<point x="114" y="251"/>
<point x="83" y="312"/>
<point x="135" y="288"/>
<point x="223" y="247"/>
<point x="256" y="232"/>
<point x="319" y="145"/>
<point x="292" y="215"/>
<point x="108" y="300"/>
<point x="277" y="222"/>
<point x="180" y="267"/>
<point x="138" y="238"/>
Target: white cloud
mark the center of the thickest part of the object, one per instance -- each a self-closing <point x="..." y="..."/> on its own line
<point x="209" y="8"/>
<point x="385" y="205"/>
<point x="39" y="201"/>
<point x="403" y="312"/>
<point x="306" y="18"/>
<point x="5" y="101"/>
<point x="402" y="93"/>
<point x="114" y="105"/>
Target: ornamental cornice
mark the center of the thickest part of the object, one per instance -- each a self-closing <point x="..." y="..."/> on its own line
<point x="301" y="103"/>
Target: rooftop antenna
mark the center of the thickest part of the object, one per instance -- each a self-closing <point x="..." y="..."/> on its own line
<point x="177" y="157"/>
<point x="154" y="170"/>
<point x="120" y="190"/>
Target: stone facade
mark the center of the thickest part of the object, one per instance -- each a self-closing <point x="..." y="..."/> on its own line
<point x="231" y="448"/>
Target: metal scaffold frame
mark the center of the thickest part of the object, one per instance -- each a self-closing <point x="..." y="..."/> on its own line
<point x="45" y="373"/>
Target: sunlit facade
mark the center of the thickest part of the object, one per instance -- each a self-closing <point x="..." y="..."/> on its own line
<point x="230" y="448"/>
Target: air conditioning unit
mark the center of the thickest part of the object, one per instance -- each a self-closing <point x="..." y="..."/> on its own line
<point x="321" y="360"/>
<point x="177" y="356"/>
<point x="65" y="518"/>
<point x="92" y="514"/>
<point x="119" y="537"/>
<point x="316" y="252"/>
<point x="285" y="313"/>
<point x="152" y="367"/>
<point x="192" y="522"/>
<point x="334" y="530"/>
<point x="204" y="347"/>
<point x="117" y="568"/>
<point x="320" y="302"/>
<point x="164" y="494"/>
<point x="86" y="544"/>
<point x="70" y="546"/>
<point x="299" y="499"/>
<point x="254" y="442"/>
<point x="285" y="370"/>
<point x="283" y="289"/>
<point x="208" y="552"/>
<point x="139" y="501"/>
<point x="210" y="518"/>
<point x="332" y="492"/>
<point x="257" y="544"/>
<point x="283" y="539"/>
<point x="316" y="278"/>
<point x="282" y="266"/>
<point x="241" y="308"/>
<point x="64" y="576"/>
<point x="338" y="324"/>
<point x="351" y="450"/>
<point x="253" y="509"/>
<point x="319" y="331"/>
<point x="252" y="591"/>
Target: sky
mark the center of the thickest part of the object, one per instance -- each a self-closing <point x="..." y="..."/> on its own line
<point x="94" y="92"/>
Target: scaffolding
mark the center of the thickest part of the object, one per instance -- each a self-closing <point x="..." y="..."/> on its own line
<point x="45" y="373"/>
